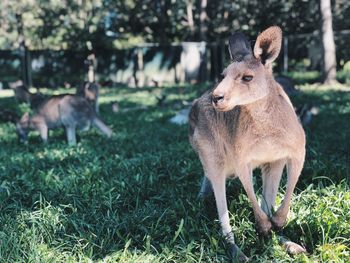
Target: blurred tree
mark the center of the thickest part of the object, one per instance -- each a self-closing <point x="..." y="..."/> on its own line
<point x="55" y="24"/>
<point x="97" y="24"/>
<point x="203" y="20"/>
<point x="190" y="20"/>
<point x="329" y="57"/>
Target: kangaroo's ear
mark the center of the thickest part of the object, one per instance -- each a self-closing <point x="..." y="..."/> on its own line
<point x="268" y="45"/>
<point x="25" y="117"/>
<point x="239" y="46"/>
<point x="86" y="85"/>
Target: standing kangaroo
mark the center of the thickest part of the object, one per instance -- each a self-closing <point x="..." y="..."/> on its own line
<point x="248" y="122"/>
<point x="69" y="111"/>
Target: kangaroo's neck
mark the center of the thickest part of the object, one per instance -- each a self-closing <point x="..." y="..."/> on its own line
<point x="262" y="108"/>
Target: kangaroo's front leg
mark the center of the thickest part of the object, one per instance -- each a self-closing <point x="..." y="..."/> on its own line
<point x="263" y="222"/>
<point x="71" y="136"/>
<point x="44" y="131"/>
<point x="219" y="188"/>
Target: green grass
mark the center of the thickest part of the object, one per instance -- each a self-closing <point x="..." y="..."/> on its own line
<point x="305" y="77"/>
<point x="133" y="198"/>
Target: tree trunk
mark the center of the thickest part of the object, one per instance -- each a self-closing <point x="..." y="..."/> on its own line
<point x="203" y="21"/>
<point x="190" y="21"/>
<point x="329" y="58"/>
<point x="25" y="56"/>
<point x="203" y="32"/>
<point x="91" y="59"/>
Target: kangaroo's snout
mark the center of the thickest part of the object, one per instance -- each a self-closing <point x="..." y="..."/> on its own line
<point x="21" y="134"/>
<point x="217" y="98"/>
<point x="221" y="94"/>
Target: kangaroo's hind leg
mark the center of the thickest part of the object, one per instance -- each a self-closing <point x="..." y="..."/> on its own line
<point x="294" y="167"/>
<point x="271" y="177"/>
<point x="206" y="188"/>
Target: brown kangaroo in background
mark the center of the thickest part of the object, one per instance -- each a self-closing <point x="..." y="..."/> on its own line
<point x="248" y="122"/>
<point x="69" y="111"/>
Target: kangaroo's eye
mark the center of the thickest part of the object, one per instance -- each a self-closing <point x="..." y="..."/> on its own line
<point x="247" y="78"/>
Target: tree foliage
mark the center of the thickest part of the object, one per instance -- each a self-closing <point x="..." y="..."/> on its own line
<point x="87" y="24"/>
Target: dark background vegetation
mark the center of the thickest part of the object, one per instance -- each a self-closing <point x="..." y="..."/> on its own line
<point x="108" y="24"/>
<point x="60" y="34"/>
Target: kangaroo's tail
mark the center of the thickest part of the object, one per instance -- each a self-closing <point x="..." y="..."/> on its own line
<point x="102" y="127"/>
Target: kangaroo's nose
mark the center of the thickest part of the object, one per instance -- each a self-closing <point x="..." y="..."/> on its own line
<point x="217" y="98"/>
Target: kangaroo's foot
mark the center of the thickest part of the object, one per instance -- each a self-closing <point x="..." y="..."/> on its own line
<point x="263" y="225"/>
<point x="291" y="247"/>
<point x="237" y="254"/>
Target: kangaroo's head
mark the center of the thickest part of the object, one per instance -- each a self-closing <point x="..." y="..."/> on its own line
<point x="246" y="78"/>
<point x="91" y="91"/>
<point x="23" y="127"/>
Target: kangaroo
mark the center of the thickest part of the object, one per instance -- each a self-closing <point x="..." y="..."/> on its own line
<point x="89" y="90"/>
<point x="68" y="111"/>
<point x="248" y="122"/>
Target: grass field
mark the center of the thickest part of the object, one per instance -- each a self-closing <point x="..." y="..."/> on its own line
<point x="133" y="198"/>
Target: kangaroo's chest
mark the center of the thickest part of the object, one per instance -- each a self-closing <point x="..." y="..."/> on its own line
<point x="261" y="148"/>
<point x="265" y="150"/>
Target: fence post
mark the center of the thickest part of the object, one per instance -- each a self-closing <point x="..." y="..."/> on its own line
<point x="25" y="65"/>
<point x="140" y="66"/>
<point x="215" y="61"/>
<point x="24" y="53"/>
<point x="91" y="61"/>
<point x="285" y="54"/>
<point x="28" y="68"/>
<point x="203" y="70"/>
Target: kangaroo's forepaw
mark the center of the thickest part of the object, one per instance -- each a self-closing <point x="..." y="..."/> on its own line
<point x="264" y="230"/>
<point x="264" y="226"/>
<point x="278" y="222"/>
<point x="237" y="254"/>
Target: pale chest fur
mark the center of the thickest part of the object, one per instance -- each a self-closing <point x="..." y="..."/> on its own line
<point x="262" y="139"/>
